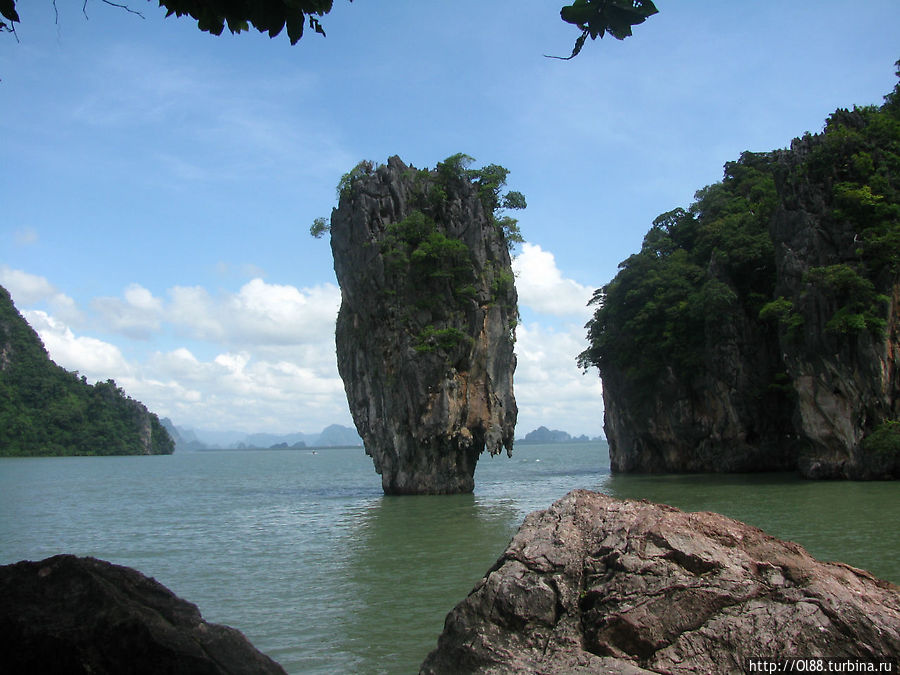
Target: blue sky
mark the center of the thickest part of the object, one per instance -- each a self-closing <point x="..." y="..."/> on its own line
<point x="158" y="183"/>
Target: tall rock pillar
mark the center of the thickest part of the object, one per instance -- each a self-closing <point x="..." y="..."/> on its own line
<point x="427" y="322"/>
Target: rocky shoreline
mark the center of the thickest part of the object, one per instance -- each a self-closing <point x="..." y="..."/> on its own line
<point x="592" y="584"/>
<point x="596" y="584"/>
<point x="68" y="614"/>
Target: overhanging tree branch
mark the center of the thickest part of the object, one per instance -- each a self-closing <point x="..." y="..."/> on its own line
<point x="595" y="18"/>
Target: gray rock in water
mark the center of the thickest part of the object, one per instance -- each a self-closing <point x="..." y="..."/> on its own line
<point x="595" y="584"/>
<point x="426" y="327"/>
<point x="808" y="381"/>
<point x="68" y="615"/>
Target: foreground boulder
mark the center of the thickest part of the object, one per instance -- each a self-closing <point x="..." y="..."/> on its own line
<point x="82" y="615"/>
<point x="596" y="584"/>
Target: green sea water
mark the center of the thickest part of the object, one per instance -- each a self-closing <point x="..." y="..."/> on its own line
<point x="305" y="555"/>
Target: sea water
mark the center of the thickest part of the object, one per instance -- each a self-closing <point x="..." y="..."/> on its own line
<point x="302" y="552"/>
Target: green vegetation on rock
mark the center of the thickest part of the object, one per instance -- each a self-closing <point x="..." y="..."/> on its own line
<point x="47" y="410"/>
<point x="757" y="329"/>
<point x="696" y="264"/>
<point x="427" y="270"/>
<point x="884" y="440"/>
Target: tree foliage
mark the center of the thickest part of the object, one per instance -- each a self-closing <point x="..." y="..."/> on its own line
<point x="597" y="18"/>
<point x="653" y="314"/>
<point x="430" y="273"/>
<point x="594" y="18"/>
<point x="695" y="266"/>
<point x="46" y="410"/>
<point x="213" y="16"/>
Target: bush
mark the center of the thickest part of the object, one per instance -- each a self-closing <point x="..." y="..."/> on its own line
<point x="884" y="440"/>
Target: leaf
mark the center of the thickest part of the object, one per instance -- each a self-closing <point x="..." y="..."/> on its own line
<point x="577" y="14"/>
<point x="579" y="43"/>
<point x="294" y="24"/>
<point x="8" y="9"/>
<point x="316" y="26"/>
<point x="276" y="26"/>
<point x="598" y="17"/>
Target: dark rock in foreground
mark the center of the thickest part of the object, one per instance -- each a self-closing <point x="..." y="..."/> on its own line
<point x="82" y="615"/>
<point x="595" y="584"/>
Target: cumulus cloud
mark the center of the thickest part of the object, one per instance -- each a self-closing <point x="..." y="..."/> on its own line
<point x="267" y="350"/>
<point x="542" y="287"/>
<point x="262" y="356"/>
<point x="138" y="314"/>
<point x="24" y="287"/>
<point x="550" y="388"/>
<point x="239" y="390"/>
<point x="30" y="289"/>
<point x="259" y="313"/>
<point x="281" y="314"/>
<point x="93" y="358"/>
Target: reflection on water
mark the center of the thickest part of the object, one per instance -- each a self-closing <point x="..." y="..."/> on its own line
<point x="306" y="556"/>
<point x="412" y="559"/>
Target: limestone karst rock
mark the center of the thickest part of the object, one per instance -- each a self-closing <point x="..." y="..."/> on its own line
<point x="595" y="584"/>
<point x="68" y="614"/>
<point x="427" y="322"/>
<point x="759" y="330"/>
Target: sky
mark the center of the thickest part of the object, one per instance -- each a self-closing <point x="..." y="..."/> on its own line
<point x="158" y="183"/>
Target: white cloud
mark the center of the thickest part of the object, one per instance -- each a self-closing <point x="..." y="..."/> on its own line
<point x="193" y="310"/>
<point x="542" y="287"/>
<point x="258" y="314"/>
<point x="272" y="365"/>
<point x="550" y="388"/>
<point x="26" y="288"/>
<point x="93" y="358"/>
<point x="30" y="289"/>
<point x="239" y="390"/>
<point x="276" y="314"/>
<point x="139" y="315"/>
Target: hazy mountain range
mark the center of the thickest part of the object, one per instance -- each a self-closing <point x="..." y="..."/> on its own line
<point x="335" y="435"/>
<point x="331" y="436"/>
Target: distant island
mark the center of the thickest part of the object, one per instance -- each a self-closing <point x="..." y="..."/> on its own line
<point x="544" y="435"/>
<point x="332" y="436"/>
<point x="191" y="440"/>
<point x="45" y="410"/>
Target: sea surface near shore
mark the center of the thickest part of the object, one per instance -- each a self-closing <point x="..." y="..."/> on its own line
<point x="305" y="555"/>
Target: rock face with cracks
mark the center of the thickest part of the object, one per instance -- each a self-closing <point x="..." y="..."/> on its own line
<point x="426" y="326"/>
<point x="82" y="615"/>
<point x="600" y="585"/>
<point x="782" y="351"/>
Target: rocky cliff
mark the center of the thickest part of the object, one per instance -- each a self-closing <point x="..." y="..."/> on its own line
<point x="427" y="321"/>
<point x="599" y="585"/>
<point x="46" y="410"/>
<point x="68" y="615"/>
<point x="758" y="330"/>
